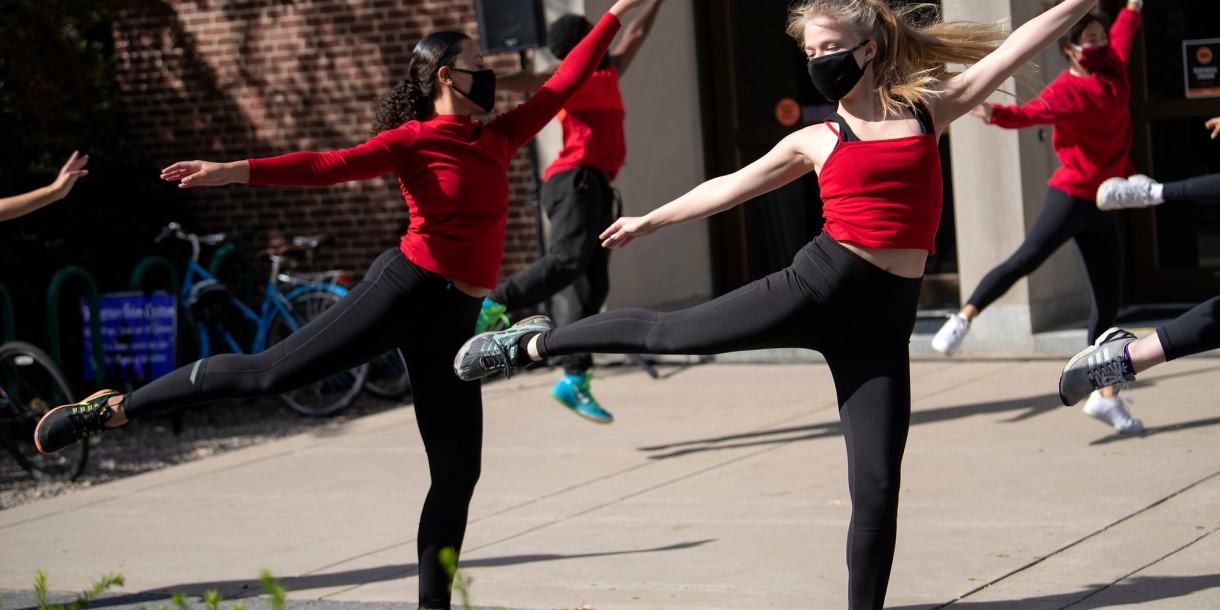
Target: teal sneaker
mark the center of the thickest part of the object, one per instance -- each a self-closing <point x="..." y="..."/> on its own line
<point x="573" y="392"/>
<point x="497" y="352"/>
<point x="491" y="313"/>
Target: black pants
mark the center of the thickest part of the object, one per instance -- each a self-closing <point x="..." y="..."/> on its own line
<point x="1096" y="233"/>
<point x="580" y="203"/>
<point x="1194" y="332"/>
<point x="859" y="317"/>
<point x="1202" y="189"/>
<point x="383" y="312"/>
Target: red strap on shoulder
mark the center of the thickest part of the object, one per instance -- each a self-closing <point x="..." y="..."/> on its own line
<point x="830" y="124"/>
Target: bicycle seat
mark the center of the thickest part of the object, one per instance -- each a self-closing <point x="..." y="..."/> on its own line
<point x="313" y="242"/>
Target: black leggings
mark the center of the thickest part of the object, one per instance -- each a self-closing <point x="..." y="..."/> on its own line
<point x="1194" y="332"/>
<point x="1202" y="189"/>
<point x="1096" y="233"/>
<point x="398" y="304"/>
<point x="830" y="300"/>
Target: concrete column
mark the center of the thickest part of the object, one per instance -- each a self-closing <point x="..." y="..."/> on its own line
<point x="999" y="182"/>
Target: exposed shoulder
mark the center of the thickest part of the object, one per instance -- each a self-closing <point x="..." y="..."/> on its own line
<point x="815" y="142"/>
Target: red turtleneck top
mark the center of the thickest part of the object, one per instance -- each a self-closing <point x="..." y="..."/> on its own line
<point x="453" y="170"/>
<point x="1092" y="121"/>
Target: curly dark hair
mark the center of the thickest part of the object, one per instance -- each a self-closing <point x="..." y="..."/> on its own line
<point x="566" y="33"/>
<point x="1073" y="35"/>
<point x="411" y="99"/>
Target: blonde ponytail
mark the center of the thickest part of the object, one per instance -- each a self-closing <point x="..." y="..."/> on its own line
<point x="914" y="45"/>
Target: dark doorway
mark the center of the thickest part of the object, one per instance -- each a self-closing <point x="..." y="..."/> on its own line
<point x="1175" y="249"/>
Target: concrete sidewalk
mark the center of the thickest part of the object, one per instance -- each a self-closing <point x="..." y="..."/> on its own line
<point x="720" y="486"/>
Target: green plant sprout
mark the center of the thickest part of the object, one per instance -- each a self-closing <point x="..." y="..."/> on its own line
<point x="82" y="600"/>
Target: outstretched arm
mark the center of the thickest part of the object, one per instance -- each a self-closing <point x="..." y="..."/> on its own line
<point x="380" y="155"/>
<point x="783" y="164"/>
<point x="634" y="37"/>
<point x="968" y="89"/>
<point x="20" y="205"/>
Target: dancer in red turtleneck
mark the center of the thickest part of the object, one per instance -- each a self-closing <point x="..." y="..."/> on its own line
<point x="422" y="297"/>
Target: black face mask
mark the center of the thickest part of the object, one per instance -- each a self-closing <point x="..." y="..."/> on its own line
<point x="482" y="88"/>
<point x="836" y="75"/>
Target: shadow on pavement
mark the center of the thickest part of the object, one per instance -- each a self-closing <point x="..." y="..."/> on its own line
<point x="1129" y="592"/>
<point x="352" y="578"/>
<point x="1022" y="408"/>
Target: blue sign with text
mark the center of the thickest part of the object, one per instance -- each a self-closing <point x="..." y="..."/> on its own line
<point x="138" y="335"/>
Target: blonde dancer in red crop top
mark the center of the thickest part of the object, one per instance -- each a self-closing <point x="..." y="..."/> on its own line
<point x="852" y="292"/>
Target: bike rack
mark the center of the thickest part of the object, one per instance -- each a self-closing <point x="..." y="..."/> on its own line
<point x="149" y="263"/>
<point x="247" y="267"/>
<point x="8" y="325"/>
<point x="95" y="319"/>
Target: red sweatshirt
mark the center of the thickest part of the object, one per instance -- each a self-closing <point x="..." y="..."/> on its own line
<point x="453" y="170"/>
<point x="1092" y="121"/>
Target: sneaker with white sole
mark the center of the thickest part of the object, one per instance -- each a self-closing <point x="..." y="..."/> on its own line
<point x="1113" y="412"/>
<point x="949" y="338"/>
<point x="1138" y="191"/>
<point x="1101" y="365"/>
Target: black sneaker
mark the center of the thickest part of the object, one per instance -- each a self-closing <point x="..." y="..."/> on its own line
<point x="490" y="353"/>
<point x="1100" y="365"/>
<point x="65" y="425"/>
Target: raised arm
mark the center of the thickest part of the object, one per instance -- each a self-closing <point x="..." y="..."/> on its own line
<point x="20" y="205"/>
<point x="519" y="125"/>
<point x="1122" y="33"/>
<point x="966" y="90"/>
<point x="1049" y="107"/>
<point x="634" y="36"/>
<point x="783" y="164"/>
<point x="380" y="155"/>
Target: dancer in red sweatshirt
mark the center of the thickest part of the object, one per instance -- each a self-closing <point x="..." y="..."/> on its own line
<point x="1087" y="104"/>
<point x="422" y="297"/>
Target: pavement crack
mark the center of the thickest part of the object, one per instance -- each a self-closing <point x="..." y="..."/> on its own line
<point x="1142" y="568"/>
<point x="1077" y="542"/>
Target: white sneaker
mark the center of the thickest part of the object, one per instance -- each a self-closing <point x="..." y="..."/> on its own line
<point x="1138" y="191"/>
<point x="949" y="338"/>
<point x="1113" y="412"/>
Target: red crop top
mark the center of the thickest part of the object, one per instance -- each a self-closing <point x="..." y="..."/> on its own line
<point x="883" y="193"/>
<point x="453" y="170"/>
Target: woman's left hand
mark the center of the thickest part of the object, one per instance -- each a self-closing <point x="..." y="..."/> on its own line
<point x="983" y="111"/>
<point x="1214" y="125"/>
<point x="625" y="230"/>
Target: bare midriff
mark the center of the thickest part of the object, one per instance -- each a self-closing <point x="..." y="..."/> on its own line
<point x="901" y="262"/>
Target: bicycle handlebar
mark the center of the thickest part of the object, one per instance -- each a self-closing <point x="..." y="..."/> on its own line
<point x="174" y="229"/>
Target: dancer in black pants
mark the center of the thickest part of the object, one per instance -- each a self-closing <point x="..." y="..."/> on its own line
<point x="453" y="173"/>
<point x="851" y="293"/>
<point x="1087" y="104"/>
<point x="578" y="199"/>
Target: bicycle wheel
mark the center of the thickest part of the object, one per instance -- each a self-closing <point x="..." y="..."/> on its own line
<point x="334" y="393"/>
<point x="30" y="385"/>
<point x="388" y="376"/>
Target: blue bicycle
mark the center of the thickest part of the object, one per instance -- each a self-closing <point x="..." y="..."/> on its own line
<point x="216" y="318"/>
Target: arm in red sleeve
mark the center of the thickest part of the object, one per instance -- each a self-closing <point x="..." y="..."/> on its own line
<point x="380" y="155"/>
<point x="1049" y="107"/>
<point x="1122" y="33"/>
<point x="519" y="125"/>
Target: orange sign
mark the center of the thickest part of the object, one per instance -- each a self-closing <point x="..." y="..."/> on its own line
<point x="788" y="112"/>
<point x="1202" y="69"/>
<point x="1204" y="55"/>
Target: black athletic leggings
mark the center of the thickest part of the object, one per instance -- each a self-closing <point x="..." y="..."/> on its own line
<point x="1194" y="332"/>
<point x="1202" y="189"/>
<point x="830" y="300"/>
<point x="398" y="304"/>
<point x="1096" y="233"/>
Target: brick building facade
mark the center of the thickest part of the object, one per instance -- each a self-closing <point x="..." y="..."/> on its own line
<point x="234" y="79"/>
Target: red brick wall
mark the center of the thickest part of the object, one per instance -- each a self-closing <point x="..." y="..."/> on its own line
<point x="232" y="79"/>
